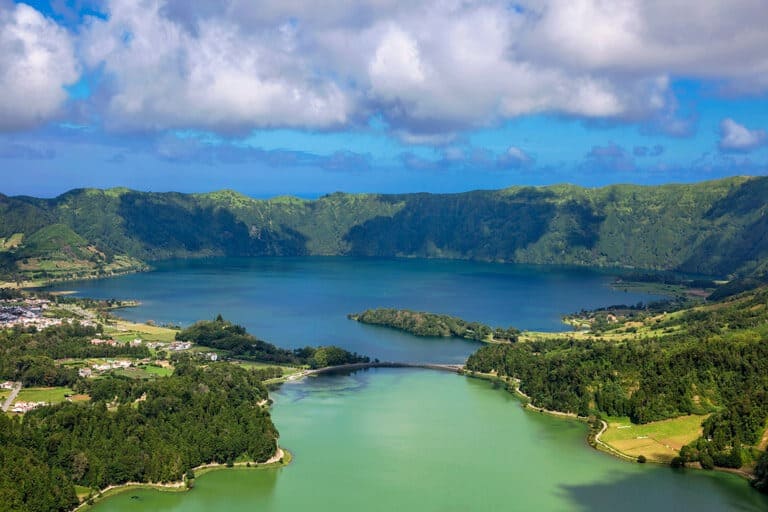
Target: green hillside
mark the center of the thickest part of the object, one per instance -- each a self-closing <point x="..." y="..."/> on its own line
<point x="716" y="228"/>
<point x="709" y="360"/>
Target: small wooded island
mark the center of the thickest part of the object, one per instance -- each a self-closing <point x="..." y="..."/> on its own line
<point x="420" y="323"/>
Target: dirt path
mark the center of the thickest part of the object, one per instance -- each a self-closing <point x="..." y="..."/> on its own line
<point x="764" y="441"/>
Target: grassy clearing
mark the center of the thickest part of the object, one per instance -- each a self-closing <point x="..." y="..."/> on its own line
<point x="127" y="331"/>
<point x="657" y="441"/>
<point x="143" y="372"/>
<point x="287" y="370"/>
<point x="50" y="395"/>
<point x="133" y="373"/>
<point x="11" y="242"/>
<point x="82" y="492"/>
<point x="158" y="371"/>
<point x="620" y="332"/>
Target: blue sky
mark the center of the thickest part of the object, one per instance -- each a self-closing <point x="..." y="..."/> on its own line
<point x="304" y="97"/>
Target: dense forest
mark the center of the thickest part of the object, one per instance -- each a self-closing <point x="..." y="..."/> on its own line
<point x="239" y="344"/>
<point x="715" y="228"/>
<point x="133" y="430"/>
<point x="707" y="359"/>
<point x="430" y="324"/>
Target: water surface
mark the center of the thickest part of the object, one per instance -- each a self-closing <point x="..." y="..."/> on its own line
<point x="295" y="302"/>
<point x="420" y="440"/>
<point x="404" y="439"/>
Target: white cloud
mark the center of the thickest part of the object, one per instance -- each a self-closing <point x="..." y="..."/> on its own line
<point x="735" y="137"/>
<point x="517" y="154"/>
<point x="514" y="157"/>
<point x="166" y="75"/>
<point x="36" y="62"/>
<point x="430" y="68"/>
<point x="396" y="66"/>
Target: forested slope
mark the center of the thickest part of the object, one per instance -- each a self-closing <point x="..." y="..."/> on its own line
<point x="158" y="430"/>
<point x="711" y="359"/>
<point x="716" y="228"/>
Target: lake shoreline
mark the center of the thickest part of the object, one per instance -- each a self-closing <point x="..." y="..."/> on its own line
<point x="281" y="458"/>
<point x="593" y="434"/>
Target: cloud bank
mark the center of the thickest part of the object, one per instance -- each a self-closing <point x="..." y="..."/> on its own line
<point x="430" y="68"/>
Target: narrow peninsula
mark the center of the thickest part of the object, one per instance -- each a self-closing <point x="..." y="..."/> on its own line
<point x="424" y="324"/>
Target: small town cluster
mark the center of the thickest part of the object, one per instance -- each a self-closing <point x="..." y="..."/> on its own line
<point x="29" y="312"/>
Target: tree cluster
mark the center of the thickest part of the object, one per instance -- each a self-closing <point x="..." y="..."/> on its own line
<point x="430" y="324"/>
<point x="221" y="334"/>
<point x="134" y="430"/>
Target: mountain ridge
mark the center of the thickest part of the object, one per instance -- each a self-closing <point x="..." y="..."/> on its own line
<point x="714" y="227"/>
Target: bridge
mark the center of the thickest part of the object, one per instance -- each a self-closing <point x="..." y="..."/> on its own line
<point x="453" y="368"/>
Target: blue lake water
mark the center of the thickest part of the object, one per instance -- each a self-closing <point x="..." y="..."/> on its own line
<point x="295" y="302"/>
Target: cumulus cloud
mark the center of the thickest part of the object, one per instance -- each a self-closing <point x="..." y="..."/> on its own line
<point x="166" y="75"/>
<point x="735" y="137"/>
<point x="36" y="61"/>
<point x="515" y="158"/>
<point x="429" y="68"/>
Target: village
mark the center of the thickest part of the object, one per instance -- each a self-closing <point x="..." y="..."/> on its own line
<point x="41" y="313"/>
<point x="31" y="312"/>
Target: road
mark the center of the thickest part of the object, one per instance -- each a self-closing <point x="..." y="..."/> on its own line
<point x="12" y="396"/>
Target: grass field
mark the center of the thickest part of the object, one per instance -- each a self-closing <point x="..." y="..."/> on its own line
<point x="657" y="441"/>
<point x="82" y="492"/>
<point x="49" y="395"/>
<point x="287" y="370"/>
<point x="11" y="242"/>
<point x="127" y="331"/>
<point x="143" y="372"/>
<point x="159" y="371"/>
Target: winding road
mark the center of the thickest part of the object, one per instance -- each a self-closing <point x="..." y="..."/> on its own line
<point x="12" y="396"/>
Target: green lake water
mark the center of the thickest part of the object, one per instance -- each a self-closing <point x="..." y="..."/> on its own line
<point x="421" y="440"/>
<point x="405" y="439"/>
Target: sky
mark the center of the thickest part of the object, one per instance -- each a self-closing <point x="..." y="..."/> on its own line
<point x="306" y="98"/>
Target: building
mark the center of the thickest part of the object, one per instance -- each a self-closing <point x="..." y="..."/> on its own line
<point x="22" y="407"/>
<point x="98" y="341"/>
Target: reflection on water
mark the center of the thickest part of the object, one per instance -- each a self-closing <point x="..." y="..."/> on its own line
<point x="678" y="491"/>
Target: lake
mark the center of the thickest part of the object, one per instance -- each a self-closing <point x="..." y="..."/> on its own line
<point x="421" y="440"/>
<point x="384" y="439"/>
<point x="294" y="302"/>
